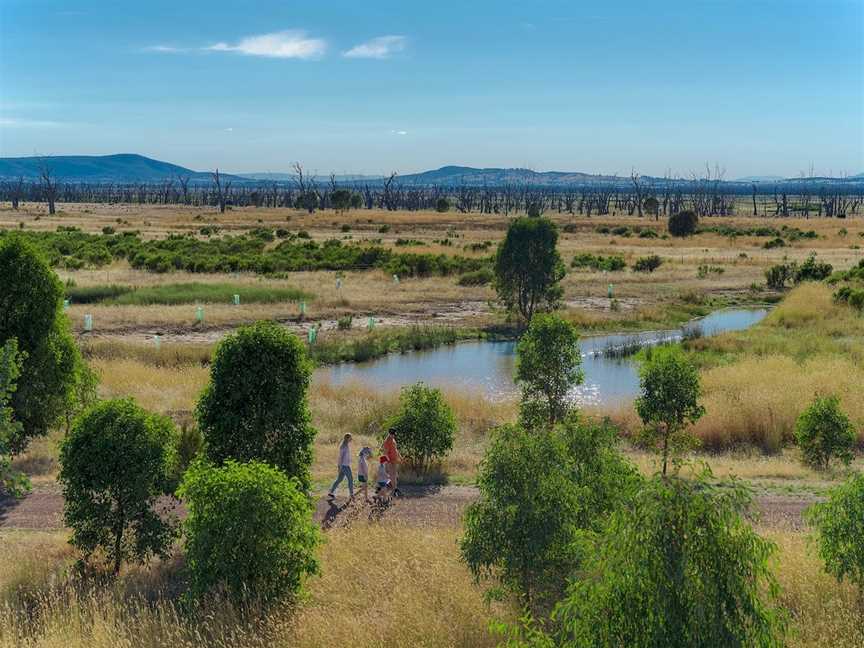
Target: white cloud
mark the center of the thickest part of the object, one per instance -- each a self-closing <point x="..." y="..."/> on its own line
<point x="229" y="130"/>
<point x="166" y="49"/>
<point x="14" y="122"/>
<point x="284" y="44"/>
<point x="377" y="48"/>
<point x="398" y="132"/>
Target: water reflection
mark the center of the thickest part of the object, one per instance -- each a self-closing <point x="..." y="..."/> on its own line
<point x="488" y="367"/>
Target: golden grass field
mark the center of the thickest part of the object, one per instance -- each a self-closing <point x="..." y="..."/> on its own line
<point x="392" y="584"/>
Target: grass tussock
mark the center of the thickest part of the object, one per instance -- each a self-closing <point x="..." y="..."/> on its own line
<point x="380" y="585"/>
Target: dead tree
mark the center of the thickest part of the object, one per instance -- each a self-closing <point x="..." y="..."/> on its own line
<point x="48" y="183"/>
<point x="221" y="190"/>
<point x="183" y="181"/>
<point x="16" y="190"/>
<point x="638" y="189"/>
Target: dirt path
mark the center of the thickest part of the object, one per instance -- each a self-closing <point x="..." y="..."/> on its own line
<point x="432" y="506"/>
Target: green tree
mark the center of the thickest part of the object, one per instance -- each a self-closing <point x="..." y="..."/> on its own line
<point x="676" y="567"/>
<point x="538" y="492"/>
<point x="51" y="376"/>
<point x="668" y="401"/>
<point x="255" y="406"/>
<point x="425" y="425"/>
<point x="824" y="432"/>
<point x="341" y="199"/>
<point x="839" y="525"/>
<point x="442" y="205"/>
<point x="683" y="223"/>
<point x="115" y="462"/>
<point x="528" y="268"/>
<point x="11" y="481"/>
<point x="249" y="532"/>
<point x="548" y="367"/>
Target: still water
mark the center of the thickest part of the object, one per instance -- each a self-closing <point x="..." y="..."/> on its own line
<point x="488" y="367"/>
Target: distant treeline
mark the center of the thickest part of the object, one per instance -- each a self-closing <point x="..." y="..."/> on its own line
<point x="642" y="196"/>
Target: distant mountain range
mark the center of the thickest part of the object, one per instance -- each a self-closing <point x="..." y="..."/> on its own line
<point x="127" y="168"/>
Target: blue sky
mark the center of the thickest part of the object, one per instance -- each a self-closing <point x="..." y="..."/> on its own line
<point x="759" y="87"/>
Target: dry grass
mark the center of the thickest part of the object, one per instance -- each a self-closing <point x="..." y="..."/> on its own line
<point x="823" y="612"/>
<point x="380" y="585"/>
<point x="425" y="599"/>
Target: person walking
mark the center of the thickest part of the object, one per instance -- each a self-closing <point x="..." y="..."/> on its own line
<point x="344" y="466"/>
<point x="390" y="449"/>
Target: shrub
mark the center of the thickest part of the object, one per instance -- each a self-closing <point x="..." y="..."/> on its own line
<point x="344" y="322"/>
<point x="538" y="492"/>
<point x="425" y="425"/>
<point x="442" y="205"/>
<point x="249" y="533"/>
<point x="548" y="367"/>
<point x="647" y="263"/>
<point x="31" y="298"/>
<point x="115" y="462"/>
<point x="476" y="278"/>
<point x="528" y="268"/>
<point x="679" y="567"/>
<point x="255" y="406"/>
<point x="683" y="223"/>
<point x="11" y="481"/>
<point x="668" y="401"/>
<point x="811" y="270"/>
<point x="839" y="525"/>
<point x="776" y="242"/>
<point x="384" y="229"/>
<point x="823" y="432"/>
<point x="611" y="263"/>
<point x="776" y="276"/>
<point x="648" y="234"/>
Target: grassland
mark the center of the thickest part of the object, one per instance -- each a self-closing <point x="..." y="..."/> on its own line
<point x="392" y="583"/>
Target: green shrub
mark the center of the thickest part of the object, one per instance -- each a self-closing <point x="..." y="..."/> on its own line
<point x="95" y="294"/>
<point x="679" y="567"/>
<point x="528" y="268"/>
<point x="31" y="311"/>
<point x="548" y="367"/>
<point x="255" y="405"/>
<point x="115" y="462"/>
<point x="776" y="242"/>
<point x="647" y="263"/>
<point x="344" y="323"/>
<point x="668" y="401"/>
<point x="424" y="424"/>
<point x="442" y="205"/>
<point x="611" y="263"/>
<point x="839" y="525"/>
<point x="777" y="275"/>
<point x="476" y="278"/>
<point x="811" y="270"/>
<point x="648" y="234"/>
<point x="683" y="223"/>
<point x="538" y="493"/>
<point x="11" y="481"/>
<point x="823" y="432"/>
<point x="249" y="532"/>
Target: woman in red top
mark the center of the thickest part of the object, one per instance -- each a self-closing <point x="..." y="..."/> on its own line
<point x="393" y="458"/>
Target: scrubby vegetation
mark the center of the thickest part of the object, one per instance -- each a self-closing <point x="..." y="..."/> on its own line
<point x="183" y="293"/>
<point x="611" y="263"/>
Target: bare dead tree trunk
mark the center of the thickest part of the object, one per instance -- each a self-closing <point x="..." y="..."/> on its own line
<point x="221" y="191"/>
<point x="49" y="184"/>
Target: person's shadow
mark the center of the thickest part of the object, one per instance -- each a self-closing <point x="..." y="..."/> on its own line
<point x="332" y="512"/>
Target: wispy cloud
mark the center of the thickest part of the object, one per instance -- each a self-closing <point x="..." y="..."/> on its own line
<point x="398" y="132"/>
<point x="284" y="44"/>
<point x="14" y="122"/>
<point x="377" y="48"/>
<point x="166" y="49"/>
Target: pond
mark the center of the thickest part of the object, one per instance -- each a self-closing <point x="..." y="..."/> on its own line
<point x="487" y="367"/>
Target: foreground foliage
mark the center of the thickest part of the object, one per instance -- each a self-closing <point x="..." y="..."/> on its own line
<point x="249" y="533"/>
<point x="538" y="492"/>
<point x="676" y="567"/>
<point x="255" y="406"/>
<point x="53" y="379"/>
<point x="116" y="462"/>
<point x="839" y="524"/>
